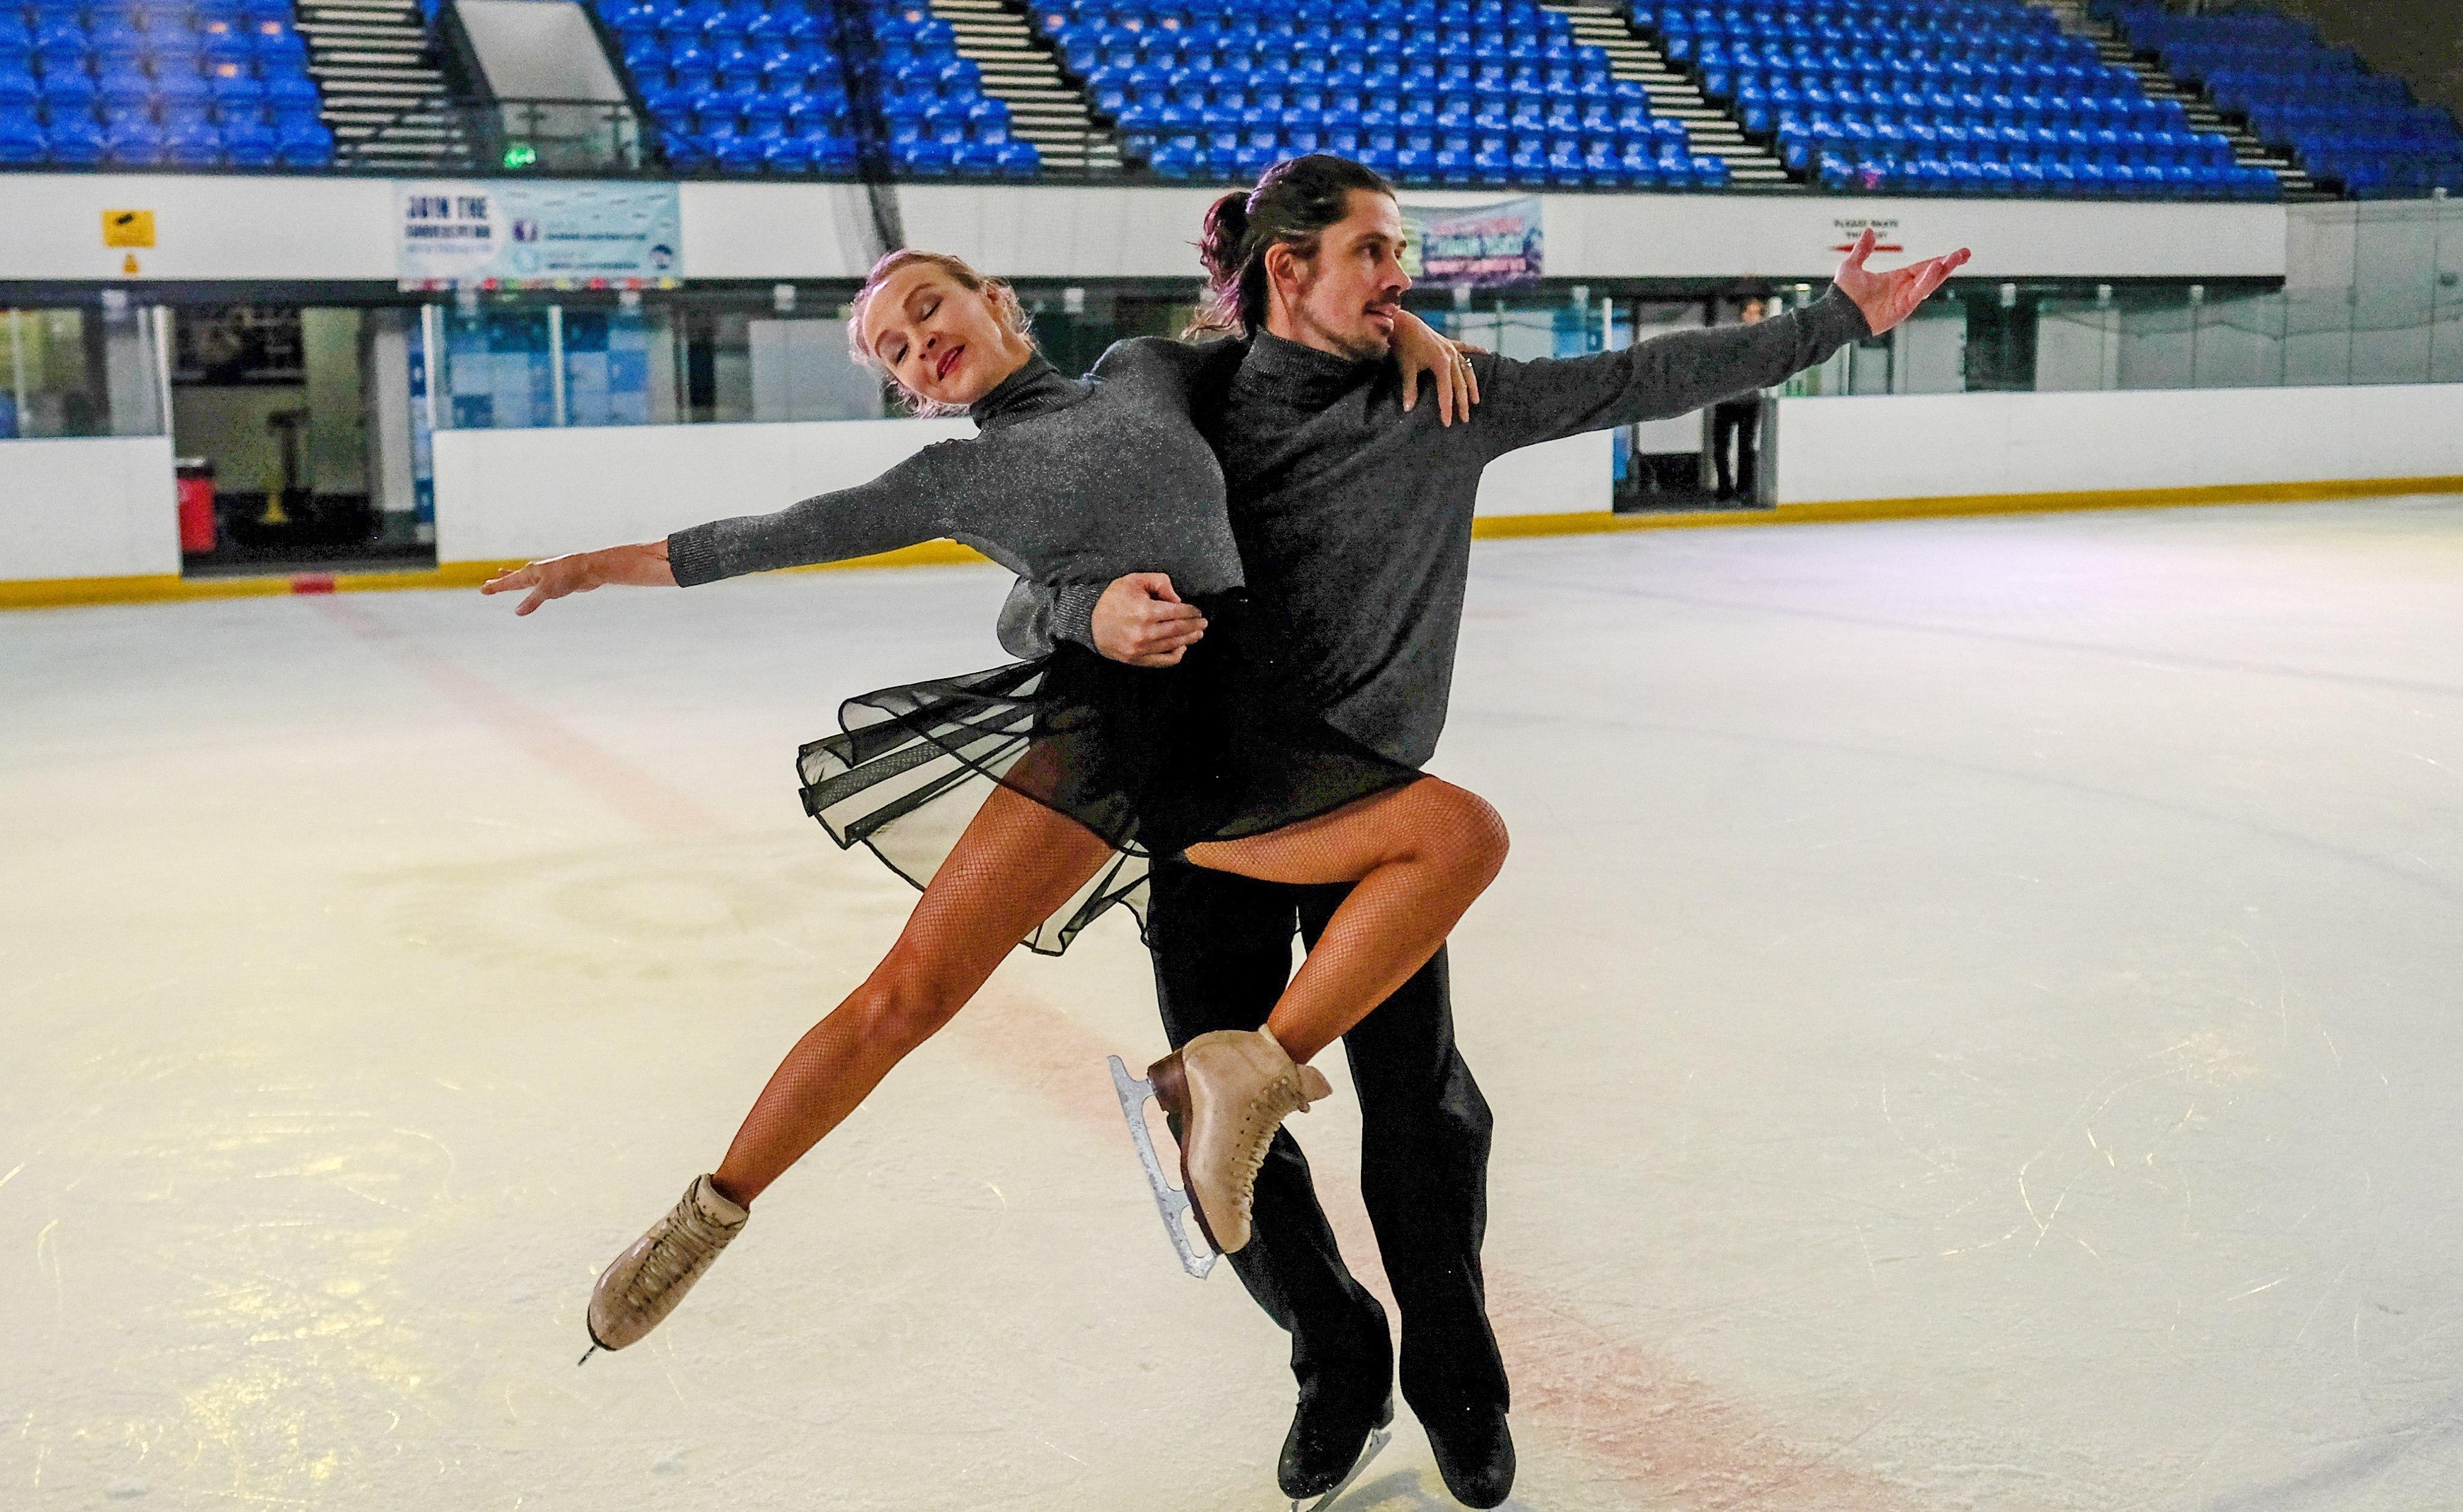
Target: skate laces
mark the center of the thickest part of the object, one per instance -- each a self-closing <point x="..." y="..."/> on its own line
<point x="684" y="1251"/>
<point x="1276" y="1101"/>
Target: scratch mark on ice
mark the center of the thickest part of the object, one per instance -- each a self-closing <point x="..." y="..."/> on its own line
<point x="51" y="1263"/>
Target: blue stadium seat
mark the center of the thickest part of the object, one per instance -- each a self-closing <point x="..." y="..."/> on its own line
<point x="304" y="143"/>
<point x="191" y="141"/>
<point x="179" y="86"/>
<point x="250" y="142"/>
<point x="133" y="140"/>
<point x="277" y="47"/>
<point x="66" y="87"/>
<point x="234" y="84"/>
<point x="125" y="87"/>
<point x="291" y="91"/>
<point x="21" y="139"/>
<point x="76" y="139"/>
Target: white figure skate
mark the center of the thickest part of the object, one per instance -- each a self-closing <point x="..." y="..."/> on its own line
<point x="638" y="1291"/>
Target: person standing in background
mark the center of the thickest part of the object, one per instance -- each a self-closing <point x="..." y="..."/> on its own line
<point x="1738" y="421"/>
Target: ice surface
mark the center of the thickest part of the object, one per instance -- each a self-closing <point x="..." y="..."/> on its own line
<point x="1972" y="1017"/>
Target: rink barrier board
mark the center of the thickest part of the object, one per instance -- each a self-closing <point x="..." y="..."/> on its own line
<point x="70" y="592"/>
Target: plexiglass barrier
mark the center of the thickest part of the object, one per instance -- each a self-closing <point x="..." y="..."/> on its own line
<point x="96" y="370"/>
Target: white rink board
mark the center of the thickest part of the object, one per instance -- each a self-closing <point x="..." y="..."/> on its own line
<point x="1572" y="475"/>
<point x="527" y="493"/>
<point x="105" y="506"/>
<point x="1954" y="446"/>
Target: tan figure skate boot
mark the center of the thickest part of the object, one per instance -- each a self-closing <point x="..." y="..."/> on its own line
<point x="636" y="1293"/>
<point x="1228" y="1091"/>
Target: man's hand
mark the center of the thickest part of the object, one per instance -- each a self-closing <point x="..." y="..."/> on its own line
<point x="1889" y="298"/>
<point x="1140" y="620"/>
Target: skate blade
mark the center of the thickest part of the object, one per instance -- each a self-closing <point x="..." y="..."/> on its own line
<point x="1171" y="1201"/>
<point x="1378" y="1439"/>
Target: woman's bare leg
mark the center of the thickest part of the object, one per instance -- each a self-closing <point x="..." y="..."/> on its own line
<point x="1417" y="857"/>
<point x="1016" y="863"/>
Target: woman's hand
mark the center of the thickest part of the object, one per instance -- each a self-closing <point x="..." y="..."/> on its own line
<point x="643" y="566"/>
<point x="1889" y="298"/>
<point x="1417" y="346"/>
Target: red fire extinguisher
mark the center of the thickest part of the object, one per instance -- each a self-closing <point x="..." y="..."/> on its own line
<point x="196" y="505"/>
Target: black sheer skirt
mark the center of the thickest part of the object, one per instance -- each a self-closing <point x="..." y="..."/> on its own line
<point x="1153" y="759"/>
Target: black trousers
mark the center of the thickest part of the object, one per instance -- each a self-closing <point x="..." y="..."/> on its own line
<point x="1738" y="420"/>
<point x="1223" y="953"/>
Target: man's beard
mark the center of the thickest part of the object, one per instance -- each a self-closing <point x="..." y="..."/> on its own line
<point x="1369" y="348"/>
<point x="1364" y="346"/>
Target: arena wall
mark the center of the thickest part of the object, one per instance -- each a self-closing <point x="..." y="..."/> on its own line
<point x="312" y="229"/>
<point x="2014" y="447"/>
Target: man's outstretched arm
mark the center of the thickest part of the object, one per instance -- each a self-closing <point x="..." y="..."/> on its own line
<point x="1528" y="402"/>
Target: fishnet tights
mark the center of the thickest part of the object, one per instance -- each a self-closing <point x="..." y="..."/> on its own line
<point x="1418" y="857"/>
<point x="1017" y="862"/>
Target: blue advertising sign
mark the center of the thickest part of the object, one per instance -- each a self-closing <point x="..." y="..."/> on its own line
<point x="1485" y="247"/>
<point x="501" y="234"/>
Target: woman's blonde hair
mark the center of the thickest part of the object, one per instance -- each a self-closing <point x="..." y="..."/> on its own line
<point x="996" y="292"/>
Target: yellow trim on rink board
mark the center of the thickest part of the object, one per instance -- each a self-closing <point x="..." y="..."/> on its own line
<point x="60" y="591"/>
<point x="51" y="593"/>
<point x="1505" y="526"/>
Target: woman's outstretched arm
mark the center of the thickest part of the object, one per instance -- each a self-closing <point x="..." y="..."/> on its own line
<point x="643" y="565"/>
<point x="924" y="498"/>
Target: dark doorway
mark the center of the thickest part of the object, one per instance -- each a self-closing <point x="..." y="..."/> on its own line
<point x="271" y="403"/>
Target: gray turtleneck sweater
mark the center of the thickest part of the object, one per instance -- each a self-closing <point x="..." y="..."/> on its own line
<point x="1354" y="518"/>
<point x="1070" y="483"/>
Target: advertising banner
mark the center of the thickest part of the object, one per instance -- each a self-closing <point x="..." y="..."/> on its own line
<point x="1485" y="247"/>
<point x="513" y="234"/>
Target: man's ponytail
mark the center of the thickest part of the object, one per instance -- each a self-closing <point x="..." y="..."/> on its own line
<point x="1292" y="205"/>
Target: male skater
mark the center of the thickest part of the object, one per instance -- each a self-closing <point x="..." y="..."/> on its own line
<point x="1354" y="523"/>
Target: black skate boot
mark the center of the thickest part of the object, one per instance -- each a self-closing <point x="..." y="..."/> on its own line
<point x="1474" y="1453"/>
<point x="1333" y="1436"/>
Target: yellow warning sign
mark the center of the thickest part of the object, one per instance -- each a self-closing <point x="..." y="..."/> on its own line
<point x="128" y="227"/>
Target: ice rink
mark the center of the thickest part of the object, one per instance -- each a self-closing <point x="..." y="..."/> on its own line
<point x="1974" y="1016"/>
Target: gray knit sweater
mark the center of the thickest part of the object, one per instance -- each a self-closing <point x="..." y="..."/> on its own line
<point x="1354" y="518"/>
<point x="1070" y="483"/>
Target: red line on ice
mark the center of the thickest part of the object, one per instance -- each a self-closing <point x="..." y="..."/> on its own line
<point x="649" y="801"/>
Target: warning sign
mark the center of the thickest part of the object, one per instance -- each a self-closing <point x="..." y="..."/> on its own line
<point x="128" y="227"/>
